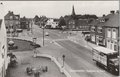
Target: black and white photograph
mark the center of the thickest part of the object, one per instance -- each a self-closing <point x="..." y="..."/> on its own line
<point x="59" y="38"/>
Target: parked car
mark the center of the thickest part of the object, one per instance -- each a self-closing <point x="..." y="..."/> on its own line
<point x="87" y="38"/>
<point x="46" y="34"/>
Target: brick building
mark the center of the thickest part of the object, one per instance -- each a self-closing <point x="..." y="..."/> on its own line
<point x="12" y="21"/>
<point x="105" y="30"/>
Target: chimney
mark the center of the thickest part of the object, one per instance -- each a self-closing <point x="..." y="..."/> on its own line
<point x="103" y="15"/>
<point x="112" y="12"/>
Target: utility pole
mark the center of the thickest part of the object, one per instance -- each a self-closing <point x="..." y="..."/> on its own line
<point x="43" y="32"/>
<point x="31" y="26"/>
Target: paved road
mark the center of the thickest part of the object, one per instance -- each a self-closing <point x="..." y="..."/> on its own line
<point x="82" y="61"/>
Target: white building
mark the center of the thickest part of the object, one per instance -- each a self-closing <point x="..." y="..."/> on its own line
<point x="3" y="44"/>
<point x="52" y="22"/>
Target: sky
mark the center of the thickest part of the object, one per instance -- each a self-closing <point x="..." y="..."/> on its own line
<point x="56" y="9"/>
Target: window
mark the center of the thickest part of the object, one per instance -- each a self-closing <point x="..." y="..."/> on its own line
<point x="0" y="23"/>
<point x="93" y="29"/>
<point x="115" y="47"/>
<point x="16" y="17"/>
<point x="93" y="38"/>
<point x="99" y="29"/>
<point x="11" y="17"/>
<point x="114" y="34"/>
<point x="109" y="33"/>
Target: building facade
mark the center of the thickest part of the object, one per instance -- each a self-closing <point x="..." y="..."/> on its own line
<point x="79" y="22"/>
<point x="82" y="25"/>
<point x="24" y="23"/>
<point x="4" y="59"/>
<point x="112" y="30"/>
<point x="72" y="20"/>
<point x="52" y="23"/>
<point x="12" y="21"/>
<point x="105" y="31"/>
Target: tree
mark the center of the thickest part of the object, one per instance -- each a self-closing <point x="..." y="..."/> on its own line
<point x="61" y="22"/>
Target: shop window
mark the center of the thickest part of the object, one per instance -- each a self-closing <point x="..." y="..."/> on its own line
<point x="93" y="38"/>
<point x="115" y="47"/>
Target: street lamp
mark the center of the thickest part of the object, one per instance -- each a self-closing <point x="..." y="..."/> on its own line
<point x="63" y="56"/>
<point x="43" y="33"/>
<point x="31" y="26"/>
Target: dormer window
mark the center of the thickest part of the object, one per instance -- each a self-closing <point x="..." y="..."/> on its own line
<point x="103" y="20"/>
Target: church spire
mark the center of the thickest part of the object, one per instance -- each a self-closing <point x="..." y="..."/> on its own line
<point x="73" y="11"/>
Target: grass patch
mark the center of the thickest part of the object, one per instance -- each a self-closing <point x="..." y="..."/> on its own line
<point x="23" y="45"/>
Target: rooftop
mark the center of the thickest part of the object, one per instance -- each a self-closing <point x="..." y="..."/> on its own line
<point x="104" y="50"/>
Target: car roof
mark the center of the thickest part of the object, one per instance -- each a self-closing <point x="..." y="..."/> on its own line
<point x="104" y="50"/>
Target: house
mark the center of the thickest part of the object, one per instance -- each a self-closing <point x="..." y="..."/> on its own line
<point x="93" y="30"/>
<point x="72" y="20"/>
<point x="42" y="21"/>
<point x="78" y="22"/>
<point x="4" y="59"/>
<point x="82" y="25"/>
<point x="112" y="30"/>
<point x="12" y="21"/>
<point x="36" y="20"/>
<point x="52" y="23"/>
<point x="105" y="31"/>
<point x="24" y="23"/>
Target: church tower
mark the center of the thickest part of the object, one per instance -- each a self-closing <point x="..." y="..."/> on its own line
<point x="73" y="12"/>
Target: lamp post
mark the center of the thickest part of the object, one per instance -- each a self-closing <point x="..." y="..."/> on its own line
<point x="63" y="56"/>
<point x="43" y="32"/>
<point x="31" y="26"/>
<point x="34" y="43"/>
